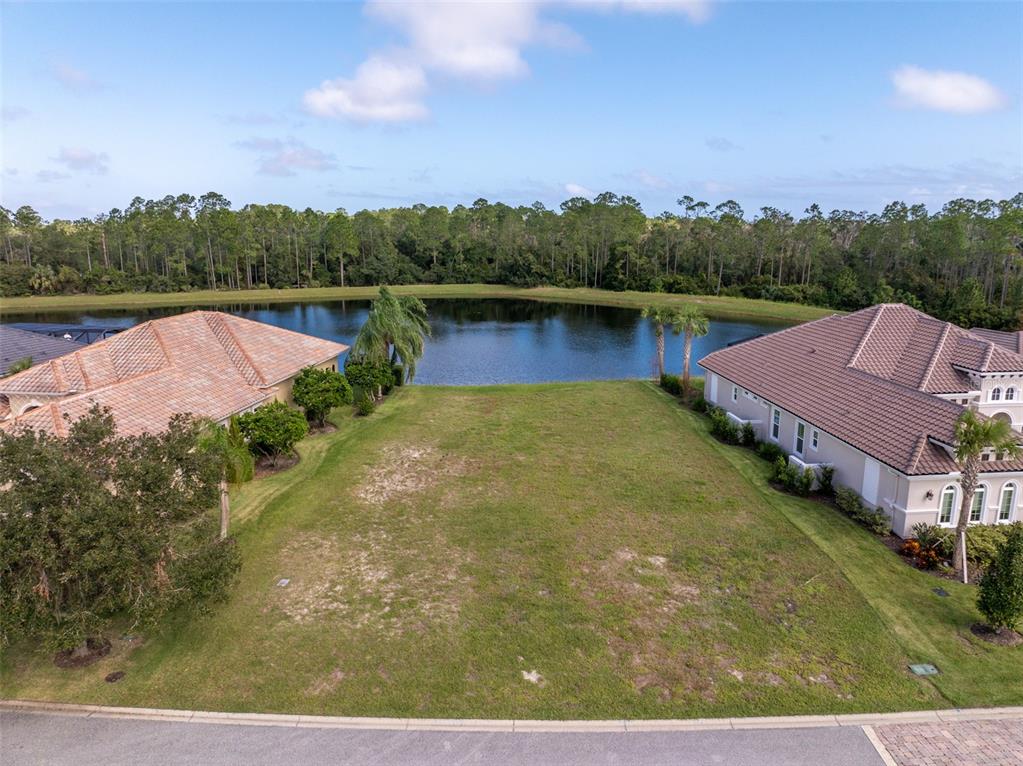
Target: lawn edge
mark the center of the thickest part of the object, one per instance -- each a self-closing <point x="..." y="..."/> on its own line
<point x="511" y="725"/>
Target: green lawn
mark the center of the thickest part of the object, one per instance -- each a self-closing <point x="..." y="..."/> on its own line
<point x="592" y="533"/>
<point x="720" y="308"/>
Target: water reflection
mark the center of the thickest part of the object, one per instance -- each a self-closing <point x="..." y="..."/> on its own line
<point x="484" y="341"/>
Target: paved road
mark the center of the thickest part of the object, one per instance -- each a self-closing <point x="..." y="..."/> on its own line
<point x="34" y="738"/>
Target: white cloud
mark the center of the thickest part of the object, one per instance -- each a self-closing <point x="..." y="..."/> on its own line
<point x="47" y="176"/>
<point x="697" y="10"/>
<point x="649" y="180"/>
<point x="579" y="191"/>
<point x="287" y="157"/>
<point x="72" y="78"/>
<point x="80" y="158"/>
<point x="381" y="91"/>
<point x="720" y="144"/>
<point x="945" y="91"/>
<point x="12" y="113"/>
<point x="473" y="41"/>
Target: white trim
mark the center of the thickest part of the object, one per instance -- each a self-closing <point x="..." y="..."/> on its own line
<point x="815" y="438"/>
<point x="775" y="424"/>
<point x="1012" y="506"/>
<point x="952" y="509"/>
<point x="796" y="438"/>
<point x="981" y="490"/>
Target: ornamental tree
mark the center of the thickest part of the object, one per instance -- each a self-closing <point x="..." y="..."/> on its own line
<point x="96" y="528"/>
<point x="1000" y="599"/>
<point x="319" y="391"/>
<point x="273" y="429"/>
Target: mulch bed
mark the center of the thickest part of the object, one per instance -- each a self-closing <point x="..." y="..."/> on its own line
<point x="265" y="467"/>
<point x="326" y="428"/>
<point x="95" y="649"/>
<point x="1003" y="637"/>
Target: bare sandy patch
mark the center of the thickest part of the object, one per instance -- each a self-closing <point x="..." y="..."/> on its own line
<point x="371" y="581"/>
<point x="405" y="471"/>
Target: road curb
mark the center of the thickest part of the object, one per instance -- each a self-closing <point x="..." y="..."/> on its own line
<point x="492" y="725"/>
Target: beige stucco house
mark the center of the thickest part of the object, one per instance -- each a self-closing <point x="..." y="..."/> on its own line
<point x="206" y="363"/>
<point x="876" y="394"/>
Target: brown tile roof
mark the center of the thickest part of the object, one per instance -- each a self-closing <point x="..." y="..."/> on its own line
<point x="869" y="379"/>
<point x="1010" y="340"/>
<point x="204" y="362"/>
<point x="17" y="344"/>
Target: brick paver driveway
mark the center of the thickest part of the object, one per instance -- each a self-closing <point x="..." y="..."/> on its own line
<point x="966" y="743"/>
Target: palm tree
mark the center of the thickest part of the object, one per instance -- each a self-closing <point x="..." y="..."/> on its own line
<point x="975" y="435"/>
<point x="236" y="462"/>
<point x="660" y="316"/>
<point x="691" y="322"/>
<point x="396" y="329"/>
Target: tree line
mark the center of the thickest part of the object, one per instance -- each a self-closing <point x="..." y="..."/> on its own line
<point x="962" y="263"/>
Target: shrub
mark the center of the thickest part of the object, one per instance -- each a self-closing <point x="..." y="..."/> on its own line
<point x="748" y="435"/>
<point x="365" y="405"/>
<point x="319" y="391"/>
<point x="399" y="375"/>
<point x="983" y="542"/>
<point x="849" y="503"/>
<point x="723" y="427"/>
<point x="770" y="451"/>
<point x="672" y="384"/>
<point x="934" y="538"/>
<point x="791" y="478"/>
<point x="826" y="480"/>
<point x="369" y="375"/>
<point x="910" y="548"/>
<point x="700" y="404"/>
<point x="1000" y="598"/>
<point x="803" y="481"/>
<point x="273" y="429"/>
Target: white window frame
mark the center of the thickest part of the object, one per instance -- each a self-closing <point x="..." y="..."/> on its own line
<point x="948" y="490"/>
<point x="775" y="432"/>
<point x="799" y="439"/>
<point x="980" y="492"/>
<point x="1009" y="486"/>
<point x="1010" y="394"/>
<point x="815" y="439"/>
<point x="995" y="395"/>
<point x="735" y="393"/>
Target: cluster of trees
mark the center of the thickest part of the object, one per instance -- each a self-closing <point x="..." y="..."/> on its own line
<point x="98" y="529"/>
<point x="962" y="263"/>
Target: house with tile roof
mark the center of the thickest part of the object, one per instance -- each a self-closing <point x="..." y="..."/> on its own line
<point x="876" y="394"/>
<point x="207" y="363"/>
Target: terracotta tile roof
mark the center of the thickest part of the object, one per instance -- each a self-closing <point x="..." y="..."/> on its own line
<point x="204" y="362"/>
<point x="869" y="379"/>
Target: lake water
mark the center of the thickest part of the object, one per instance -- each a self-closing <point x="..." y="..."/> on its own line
<point x="484" y="341"/>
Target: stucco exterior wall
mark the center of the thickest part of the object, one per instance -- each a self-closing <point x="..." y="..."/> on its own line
<point x="903" y="498"/>
<point x="1013" y="407"/>
<point x="282" y="391"/>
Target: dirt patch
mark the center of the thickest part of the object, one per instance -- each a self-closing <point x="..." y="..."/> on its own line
<point x="265" y="466"/>
<point x="326" y="428"/>
<point x="403" y="472"/>
<point x="659" y="600"/>
<point x="1003" y="637"/>
<point x="371" y="581"/>
<point x="327" y="684"/>
<point x="94" y="649"/>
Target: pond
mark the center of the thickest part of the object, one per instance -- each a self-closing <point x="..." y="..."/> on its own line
<point x="479" y="342"/>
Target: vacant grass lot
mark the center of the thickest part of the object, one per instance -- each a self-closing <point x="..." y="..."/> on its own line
<point x="558" y="551"/>
<point x="717" y="307"/>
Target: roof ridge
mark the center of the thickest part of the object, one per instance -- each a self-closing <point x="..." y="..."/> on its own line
<point x="81" y="368"/>
<point x="207" y="316"/>
<point x="917" y="452"/>
<point x="934" y="357"/>
<point x="987" y="356"/>
<point x="866" y="335"/>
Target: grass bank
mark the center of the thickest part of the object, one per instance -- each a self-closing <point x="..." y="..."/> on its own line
<point x="580" y="550"/>
<point x="716" y="307"/>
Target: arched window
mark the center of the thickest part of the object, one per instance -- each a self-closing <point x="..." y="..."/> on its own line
<point x="996" y="394"/>
<point x="1007" y="502"/>
<point x="977" y="506"/>
<point x="947" y="505"/>
<point x="1010" y="394"/>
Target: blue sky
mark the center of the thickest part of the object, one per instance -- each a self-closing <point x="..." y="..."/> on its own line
<point x="375" y="104"/>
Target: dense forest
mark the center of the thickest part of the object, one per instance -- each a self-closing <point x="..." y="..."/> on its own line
<point x="963" y="263"/>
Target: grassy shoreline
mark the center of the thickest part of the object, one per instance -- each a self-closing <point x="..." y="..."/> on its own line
<point x="460" y="538"/>
<point x="715" y="307"/>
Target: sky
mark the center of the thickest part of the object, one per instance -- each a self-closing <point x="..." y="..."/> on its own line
<point x="381" y="103"/>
